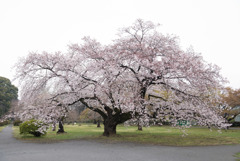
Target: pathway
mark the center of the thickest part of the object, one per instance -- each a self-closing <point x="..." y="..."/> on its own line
<point x="14" y="150"/>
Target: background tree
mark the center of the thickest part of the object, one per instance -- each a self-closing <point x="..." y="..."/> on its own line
<point x="114" y="80"/>
<point x="232" y="99"/>
<point x="89" y="116"/>
<point x="74" y="112"/>
<point x="8" y="94"/>
<point x="72" y="117"/>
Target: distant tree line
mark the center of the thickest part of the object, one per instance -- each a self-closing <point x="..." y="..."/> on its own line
<point x="8" y="94"/>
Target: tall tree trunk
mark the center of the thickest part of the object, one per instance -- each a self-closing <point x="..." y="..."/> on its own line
<point x="111" y="117"/>
<point x="61" y="129"/>
<point x="109" y="127"/>
<point x="139" y="127"/>
<point x="54" y="126"/>
<point x="98" y="123"/>
<point x="112" y="120"/>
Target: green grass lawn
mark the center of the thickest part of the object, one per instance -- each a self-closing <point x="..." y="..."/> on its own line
<point x="1" y="127"/>
<point x="164" y="135"/>
<point x="237" y="156"/>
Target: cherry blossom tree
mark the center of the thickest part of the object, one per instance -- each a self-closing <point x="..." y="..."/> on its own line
<point x="48" y="115"/>
<point x="79" y="76"/>
<point x="187" y="85"/>
<point x="40" y="109"/>
<point x="142" y="75"/>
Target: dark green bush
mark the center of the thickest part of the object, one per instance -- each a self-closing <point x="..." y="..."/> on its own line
<point x="3" y="123"/>
<point x="17" y="122"/>
<point x="235" y="124"/>
<point x="32" y="127"/>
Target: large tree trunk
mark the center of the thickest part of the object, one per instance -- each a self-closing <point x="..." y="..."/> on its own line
<point x="111" y="117"/>
<point x="109" y="127"/>
<point x="112" y="120"/>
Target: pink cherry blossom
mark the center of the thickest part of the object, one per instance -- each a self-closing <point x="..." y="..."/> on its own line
<point x="143" y="75"/>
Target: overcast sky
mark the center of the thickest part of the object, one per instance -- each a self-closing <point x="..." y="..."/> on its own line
<point x="212" y="27"/>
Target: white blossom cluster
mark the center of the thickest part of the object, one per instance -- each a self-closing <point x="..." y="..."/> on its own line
<point x="45" y="115"/>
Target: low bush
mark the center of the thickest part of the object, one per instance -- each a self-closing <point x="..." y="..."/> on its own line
<point x="34" y="127"/>
<point x="3" y="123"/>
<point x="236" y="124"/>
<point x="17" y="122"/>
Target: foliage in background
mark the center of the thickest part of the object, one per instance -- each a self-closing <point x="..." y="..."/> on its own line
<point x="89" y="116"/>
<point x="72" y="116"/>
<point x="3" y="123"/>
<point x="17" y="122"/>
<point x="232" y="97"/>
<point x="8" y="93"/>
<point x="232" y="108"/>
<point x="34" y="127"/>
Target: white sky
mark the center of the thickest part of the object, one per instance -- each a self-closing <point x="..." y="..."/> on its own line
<point x="212" y="27"/>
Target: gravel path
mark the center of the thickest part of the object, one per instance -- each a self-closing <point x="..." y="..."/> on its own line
<point x="14" y="150"/>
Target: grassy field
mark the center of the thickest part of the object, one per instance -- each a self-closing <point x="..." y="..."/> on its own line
<point x="164" y="135"/>
<point x="1" y="127"/>
<point x="237" y="156"/>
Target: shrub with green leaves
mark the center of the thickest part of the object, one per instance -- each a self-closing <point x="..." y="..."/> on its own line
<point x="17" y="122"/>
<point x="34" y="127"/>
<point x="3" y="123"/>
